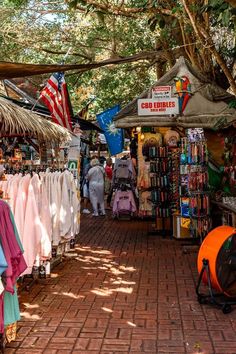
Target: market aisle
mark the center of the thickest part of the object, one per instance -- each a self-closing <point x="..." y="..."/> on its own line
<point x="124" y="292"/>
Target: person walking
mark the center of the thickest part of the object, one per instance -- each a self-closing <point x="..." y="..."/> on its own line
<point x="108" y="182"/>
<point x="95" y="177"/>
<point x="85" y="186"/>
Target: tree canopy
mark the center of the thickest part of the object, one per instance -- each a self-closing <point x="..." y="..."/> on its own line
<point x="152" y="32"/>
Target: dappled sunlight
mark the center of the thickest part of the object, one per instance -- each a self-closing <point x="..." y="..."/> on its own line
<point x="89" y="268"/>
<point x="127" y="269"/>
<point x="71" y="295"/>
<point x="124" y="290"/>
<point x="28" y="316"/>
<point x="86" y="249"/>
<point x="94" y="259"/>
<point x="116" y="271"/>
<point x="102" y="292"/>
<point x="120" y="281"/>
<point x="131" y="324"/>
<point x="109" y="291"/>
<point x="106" y="309"/>
<point x="29" y="306"/>
<point x="54" y="275"/>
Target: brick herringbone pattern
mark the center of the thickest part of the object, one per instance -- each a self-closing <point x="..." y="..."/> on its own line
<point x="122" y="292"/>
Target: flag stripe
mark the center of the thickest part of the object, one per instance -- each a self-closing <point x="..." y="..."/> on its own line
<point x="64" y="95"/>
<point x="55" y="116"/>
<point x="57" y="106"/>
<point x="56" y="98"/>
<point x="50" y="101"/>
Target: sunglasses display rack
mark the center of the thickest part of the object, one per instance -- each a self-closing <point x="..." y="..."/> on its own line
<point x="160" y="165"/>
<point x="193" y="187"/>
<point x="164" y="180"/>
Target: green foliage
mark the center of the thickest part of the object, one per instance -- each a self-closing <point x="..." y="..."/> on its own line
<point x="221" y="13"/>
<point x="42" y="32"/>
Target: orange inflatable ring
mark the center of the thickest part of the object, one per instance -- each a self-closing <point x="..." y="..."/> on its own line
<point x="212" y="249"/>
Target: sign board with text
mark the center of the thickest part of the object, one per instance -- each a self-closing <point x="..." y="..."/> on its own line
<point x="159" y="107"/>
<point x="161" y="92"/>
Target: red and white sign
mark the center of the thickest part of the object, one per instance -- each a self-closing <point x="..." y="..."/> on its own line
<point x="153" y="107"/>
<point x="161" y="92"/>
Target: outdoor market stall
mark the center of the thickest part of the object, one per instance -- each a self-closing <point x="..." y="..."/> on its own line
<point x="170" y="122"/>
<point x="44" y="202"/>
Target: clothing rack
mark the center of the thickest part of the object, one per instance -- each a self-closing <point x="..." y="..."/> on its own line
<point x="33" y="169"/>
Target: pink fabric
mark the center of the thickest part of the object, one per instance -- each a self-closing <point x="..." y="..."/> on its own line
<point x="20" y="205"/>
<point x="124" y="201"/>
<point x="1" y="314"/>
<point x="12" y="191"/>
<point x="12" y="251"/>
<point x="32" y="231"/>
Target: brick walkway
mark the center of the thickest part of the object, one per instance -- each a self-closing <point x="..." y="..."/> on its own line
<point x="125" y="292"/>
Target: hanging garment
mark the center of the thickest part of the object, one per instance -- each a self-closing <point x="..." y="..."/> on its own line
<point x="11" y="307"/>
<point x="123" y="169"/>
<point x="20" y="205"/>
<point x="12" y="248"/>
<point x="32" y="232"/>
<point x="65" y="207"/>
<point x="145" y="203"/>
<point x="55" y="203"/>
<point x="46" y="242"/>
<point x="124" y="202"/>
<point x="12" y="251"/>
<point x="144" y="175"/>
<point x="75" y="202"/>
<point x="12" y="190"/>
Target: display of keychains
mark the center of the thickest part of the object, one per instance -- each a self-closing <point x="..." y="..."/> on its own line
<point x="158" y="181"/>
<point x="199" y="205"/>
<point x="198" y="181"/>
<point x="194" y="181"/>
<point x="158" y="151"/>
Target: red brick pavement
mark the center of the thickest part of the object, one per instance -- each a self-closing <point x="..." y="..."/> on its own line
<point x="124" y="292"/>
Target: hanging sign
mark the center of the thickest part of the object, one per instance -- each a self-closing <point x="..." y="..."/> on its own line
<point x="153" y="107"/>
<point x="161" y="92"/>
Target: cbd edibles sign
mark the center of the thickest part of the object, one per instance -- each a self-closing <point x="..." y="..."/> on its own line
<point x="152" y="106"/>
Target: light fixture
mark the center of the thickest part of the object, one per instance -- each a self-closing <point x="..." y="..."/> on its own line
<point x="142" y="137"/>
<point x="138" y="129"/>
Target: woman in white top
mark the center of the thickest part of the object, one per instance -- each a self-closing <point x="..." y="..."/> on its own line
<point x="96" y="186"/>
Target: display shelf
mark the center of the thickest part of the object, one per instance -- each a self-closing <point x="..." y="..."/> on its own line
<point x="193" y="190"/>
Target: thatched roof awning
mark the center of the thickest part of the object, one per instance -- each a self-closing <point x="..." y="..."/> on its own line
<point x="17" y="121"/>
<point x="207" y="108"/>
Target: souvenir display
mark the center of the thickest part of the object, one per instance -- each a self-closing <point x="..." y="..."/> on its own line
<point x="173" y="181"/>
<point x="194" y="197"/>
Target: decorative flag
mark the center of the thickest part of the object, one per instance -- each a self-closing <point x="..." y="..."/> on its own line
<point x="56" y="97"/>
<point x="84" y="112"/>
<point x="114" y="136"/>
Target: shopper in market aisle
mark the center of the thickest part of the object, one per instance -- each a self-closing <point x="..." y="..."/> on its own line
<point x="85" y="186"/>
<point x="95" y="177"/>
<point x="108" y="182"/>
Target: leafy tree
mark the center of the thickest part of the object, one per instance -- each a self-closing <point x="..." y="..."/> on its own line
<point x="146" y="34"/>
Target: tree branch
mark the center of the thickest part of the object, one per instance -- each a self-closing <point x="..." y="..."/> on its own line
<point x="207" y="42"/>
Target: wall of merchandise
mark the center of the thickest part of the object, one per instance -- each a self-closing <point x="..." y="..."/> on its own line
<point x="173" y="182"/>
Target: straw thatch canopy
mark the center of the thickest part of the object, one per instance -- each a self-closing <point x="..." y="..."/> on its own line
<point x="208" y="106"/>
<point x="17" y="121"/>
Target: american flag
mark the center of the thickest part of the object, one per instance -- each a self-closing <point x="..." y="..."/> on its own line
<point x="56" y="98"/>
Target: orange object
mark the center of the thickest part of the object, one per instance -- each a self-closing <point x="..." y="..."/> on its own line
<point x="214" y="248"/>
